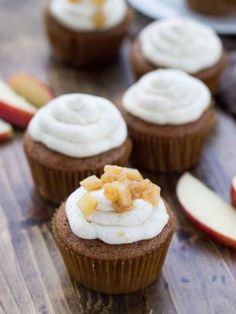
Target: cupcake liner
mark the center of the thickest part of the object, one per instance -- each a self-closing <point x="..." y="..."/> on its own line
<point x="113" y="276"/>
<point x="55" y="185"/>
<point x="85" y="48"/>
<point x="209" y="76"/>
<point x="166" y="154"/>
<point x="55" y="181"/>
<point x="213" y="7"/>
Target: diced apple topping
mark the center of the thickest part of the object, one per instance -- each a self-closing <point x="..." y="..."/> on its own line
<point x="111" y="191"/>
<point x="125" y="197"/>
<point x="121" y="186"/>
<point x="115" y="173"/>
<point x="87" y="204"/>
<point x="133" y="174"/>
<point x="91" y="183"/>
<point x="152" y="194"/>
<point x="113" y="170"/>
<point x="120" y="195"/>
<point x="137" y="188"/>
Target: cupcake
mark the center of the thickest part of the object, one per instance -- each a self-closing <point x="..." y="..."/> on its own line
<point x="86" y="33"/>
<point x="114" y="231"/>
<point x="169" y="114"/>
<point x="73" y="137"/>
<point x="213" y="7"/>
<point x="180" y="44"/>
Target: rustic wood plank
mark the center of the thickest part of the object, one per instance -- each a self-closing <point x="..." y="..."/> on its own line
<point x="11" y="271"/>
<point x="7" y="302"/>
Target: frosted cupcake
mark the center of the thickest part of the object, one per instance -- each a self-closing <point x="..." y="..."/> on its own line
<point x="180" y="44"/>
<point x="73" y="137"/>
<point x="169" y="115"/>
<point x="114" y="231"/>
<point x="86" y="33"/>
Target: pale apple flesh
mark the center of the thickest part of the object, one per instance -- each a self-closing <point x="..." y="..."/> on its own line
<point x="33" y="90"/>
<point x="6" y="131"/>
<point x="206" y="210"/>
<point x="233" y="192"/>
<point x="14" y="108"/>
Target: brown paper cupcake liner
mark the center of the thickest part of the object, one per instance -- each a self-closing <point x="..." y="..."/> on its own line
<point x="167" y="154"/>
<point x="56" y="176"/>
<point x="81" y="48"/>
<point x="55" y="185"/>
<point x="209" y="76"/>
<point x="114" y="276"/>
<point x="213" y="7"/>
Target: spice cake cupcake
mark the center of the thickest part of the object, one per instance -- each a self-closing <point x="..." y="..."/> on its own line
<point x="114" y="231"/>
<point x="73" y="137"/>
<point x="180" y="44"/>
<point x="169" y="115"/>
<point x="213" y="7"/>
<point x="87" y="33"/>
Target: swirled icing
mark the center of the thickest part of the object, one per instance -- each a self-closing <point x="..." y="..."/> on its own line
<point x="143" y="222"/>
<point x="180" y="43"/>
<point x="79" y="125"/>
<point x="167" y="97"/>
<point x="79" y="16"/>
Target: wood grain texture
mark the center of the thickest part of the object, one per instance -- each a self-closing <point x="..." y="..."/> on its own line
<point x="199" y="276"/>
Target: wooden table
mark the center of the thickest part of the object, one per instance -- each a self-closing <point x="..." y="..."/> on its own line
<point x="199" y="275"/>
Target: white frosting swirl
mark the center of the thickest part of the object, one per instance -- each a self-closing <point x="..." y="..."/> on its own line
<point x="141" y="223"/>
<point x="167" y="97"/>
<point x="180" y="43"/>
<point x="79" y="125"/>
<point x="79" y="16"/>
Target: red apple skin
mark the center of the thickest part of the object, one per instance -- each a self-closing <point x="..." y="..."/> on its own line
<point x="233" y="192"/>
<point x="212" y="233"/>
<point x="15" y="116"/>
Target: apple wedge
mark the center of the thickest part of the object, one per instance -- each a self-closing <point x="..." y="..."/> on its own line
<point x="6" y="131"/>
<point x="14" y="108"/>
<point x="233" y="192"/>
<point x="206" y="210"/>
<point x="33" y="90"/>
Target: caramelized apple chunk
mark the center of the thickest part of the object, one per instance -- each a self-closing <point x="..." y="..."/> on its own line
<point x="138" y="187"/>
<point x="111" y="191"/>
<point x="133" y="174"/>
<point x="120" y="195"/>
<point x="125" y="196"/>
<point x="87" y="204"/>
<point x="115" y="173"/>
<point x="91" y="183"/>
<point x="113" y="170"/>
<point x="152" y="194"/>
<point x="108" y="177"/>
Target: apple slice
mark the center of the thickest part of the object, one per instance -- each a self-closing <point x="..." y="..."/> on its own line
<point x="14" y="108"/>
<point x="6" y="131"/>
<point x="36" y="92"/>
<point x="206" y="210"/>
<point x="233" y="192"/>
